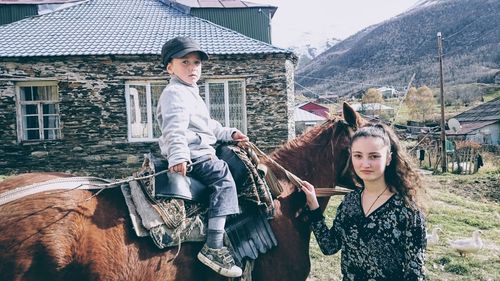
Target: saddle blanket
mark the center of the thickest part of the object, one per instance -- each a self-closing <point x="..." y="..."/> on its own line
<point x="248" y="234"/>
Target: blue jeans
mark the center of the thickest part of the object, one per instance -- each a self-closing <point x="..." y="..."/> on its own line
<point x="215" y="173"/>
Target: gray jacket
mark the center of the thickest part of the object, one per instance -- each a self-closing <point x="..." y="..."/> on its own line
<point x="188" y="132"/>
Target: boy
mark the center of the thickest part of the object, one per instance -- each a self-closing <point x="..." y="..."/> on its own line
<point x="188" y="134"/>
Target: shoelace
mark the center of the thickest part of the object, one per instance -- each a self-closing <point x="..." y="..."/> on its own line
<point x="226" y="257"/>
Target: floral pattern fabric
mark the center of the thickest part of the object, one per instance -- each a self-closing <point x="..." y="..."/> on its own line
<point x="388" y="244"/>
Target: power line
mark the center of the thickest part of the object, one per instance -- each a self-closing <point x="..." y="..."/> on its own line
<point x="346" y="82"/>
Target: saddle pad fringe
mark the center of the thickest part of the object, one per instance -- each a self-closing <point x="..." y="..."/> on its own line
<point x="140" y="231"/>
<point x="250" y="236"/>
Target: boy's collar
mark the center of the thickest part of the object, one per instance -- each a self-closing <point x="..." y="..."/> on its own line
<point x="177" y="79"/>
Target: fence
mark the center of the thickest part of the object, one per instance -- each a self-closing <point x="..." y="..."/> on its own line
<point x="465" y="158"/>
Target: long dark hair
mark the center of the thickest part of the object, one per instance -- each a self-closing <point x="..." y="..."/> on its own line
<point x="400" y="175"/>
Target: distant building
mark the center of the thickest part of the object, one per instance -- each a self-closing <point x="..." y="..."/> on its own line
<point x="328" y="98"/>
<point x="480" y="124"/>
<point x="388" y="92"/>
<point x="316" y="109"/>
<point x="373" y="109"/>
<point x="305" y="120"/>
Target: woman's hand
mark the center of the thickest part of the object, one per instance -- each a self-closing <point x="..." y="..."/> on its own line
<point x="180" y="168"/>
<point x="312" y="201"/>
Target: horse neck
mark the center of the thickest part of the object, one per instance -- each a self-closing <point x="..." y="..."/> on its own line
<point x="309" y="158"/>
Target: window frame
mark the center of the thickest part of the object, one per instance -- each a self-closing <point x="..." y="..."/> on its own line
<point x="226" y="99"/>
<point x="149" y="109"/>
<point x="39" y="103"/>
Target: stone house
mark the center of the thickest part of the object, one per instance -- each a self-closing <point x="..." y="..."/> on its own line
<point x="78" y="87"/>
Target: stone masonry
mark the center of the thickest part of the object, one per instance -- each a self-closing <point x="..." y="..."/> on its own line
<point x="94" y="116"/>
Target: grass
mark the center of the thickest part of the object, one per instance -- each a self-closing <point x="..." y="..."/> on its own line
<point x="458" y="205"/>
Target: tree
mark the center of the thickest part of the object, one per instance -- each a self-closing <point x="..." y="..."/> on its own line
<point x="420" y="103"/>
<point x="373" y="96"/>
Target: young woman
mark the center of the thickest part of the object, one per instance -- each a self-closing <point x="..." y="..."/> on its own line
<point x="379" y="227"/>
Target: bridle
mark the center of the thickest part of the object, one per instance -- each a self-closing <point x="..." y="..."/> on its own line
<point x="337" y="190"/>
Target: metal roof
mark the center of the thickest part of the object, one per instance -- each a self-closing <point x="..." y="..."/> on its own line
<point x="488" y="111"/>
<point x="469" y="127"/>
<point x="301" y="115"/>
<point x="119" y="27"/>
<point x="219" y="4"/>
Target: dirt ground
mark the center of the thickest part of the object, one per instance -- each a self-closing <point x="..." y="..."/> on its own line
<point x="478" y="187"/>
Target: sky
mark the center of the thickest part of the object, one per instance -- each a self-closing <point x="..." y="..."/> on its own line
<point x="298" y="22"/>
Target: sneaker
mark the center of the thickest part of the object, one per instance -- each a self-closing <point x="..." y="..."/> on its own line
<point x="219" y="260"/>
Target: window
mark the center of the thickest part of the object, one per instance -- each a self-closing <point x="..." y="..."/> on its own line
<point x="142" y="98"/>
<point x="226" y="101"/>
<point x="38" y="111"/>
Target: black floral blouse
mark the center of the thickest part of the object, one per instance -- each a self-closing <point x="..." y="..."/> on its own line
<point x="388" y="244"/>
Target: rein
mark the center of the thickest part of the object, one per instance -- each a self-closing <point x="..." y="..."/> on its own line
<point x="320" y="192"/>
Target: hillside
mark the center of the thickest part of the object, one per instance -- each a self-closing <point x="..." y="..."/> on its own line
<point x="390" y="52"/>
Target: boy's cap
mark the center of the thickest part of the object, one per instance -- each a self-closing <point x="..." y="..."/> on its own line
<point x="179" y="47"/>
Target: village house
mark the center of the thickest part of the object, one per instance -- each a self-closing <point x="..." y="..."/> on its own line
<point x="388" y="92"/>
<point x="79" y="86"/>
<point x="480" y="124"/>
<point x="315" y="108"/>
<point x="373" y="109"/>
<point x="304" y="120"/>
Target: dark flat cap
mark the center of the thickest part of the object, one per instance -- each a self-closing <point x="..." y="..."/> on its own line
<point x="179" y="47"/>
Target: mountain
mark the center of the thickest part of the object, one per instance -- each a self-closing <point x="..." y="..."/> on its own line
<point x="312" y="49"/>
<point x="388" y="53"/>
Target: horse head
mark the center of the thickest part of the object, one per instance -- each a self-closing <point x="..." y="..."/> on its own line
<point x="321" y="157"/>
<point x="321" y="154"/>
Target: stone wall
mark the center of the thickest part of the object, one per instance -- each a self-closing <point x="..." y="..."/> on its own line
<point x="93" y="109"/>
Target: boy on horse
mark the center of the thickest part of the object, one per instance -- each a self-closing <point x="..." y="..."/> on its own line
<point x="187" y="139"/>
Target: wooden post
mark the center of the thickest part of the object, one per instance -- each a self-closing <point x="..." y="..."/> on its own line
<point x="444" y="166"/>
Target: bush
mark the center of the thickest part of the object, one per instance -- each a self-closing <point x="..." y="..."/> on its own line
<point x="457" y="268"/>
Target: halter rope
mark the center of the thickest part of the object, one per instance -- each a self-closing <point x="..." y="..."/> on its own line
<point x="320" y="192"/>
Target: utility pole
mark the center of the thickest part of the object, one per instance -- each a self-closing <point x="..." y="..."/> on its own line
<point x="444" y="164"/>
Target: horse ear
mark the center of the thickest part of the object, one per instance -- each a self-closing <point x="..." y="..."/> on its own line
<point x="350" y="116"/>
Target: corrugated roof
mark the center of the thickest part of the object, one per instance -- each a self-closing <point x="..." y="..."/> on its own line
<point x="118" y="27"/>
<point x="484" y="112"/>
<point x="469" y="127"/>
<point x="219" y="3"/>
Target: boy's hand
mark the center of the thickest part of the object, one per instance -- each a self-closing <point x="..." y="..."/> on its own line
<point x="312" y="201"/>
<point x="239" y="136"/>
<point x="180" y="168"/>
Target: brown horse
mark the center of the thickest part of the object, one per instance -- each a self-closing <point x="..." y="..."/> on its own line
<point x="63" y="236"/>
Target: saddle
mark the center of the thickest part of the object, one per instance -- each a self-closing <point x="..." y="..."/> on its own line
<point x="172" y="208"/>
<point x="171" y="185"/>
